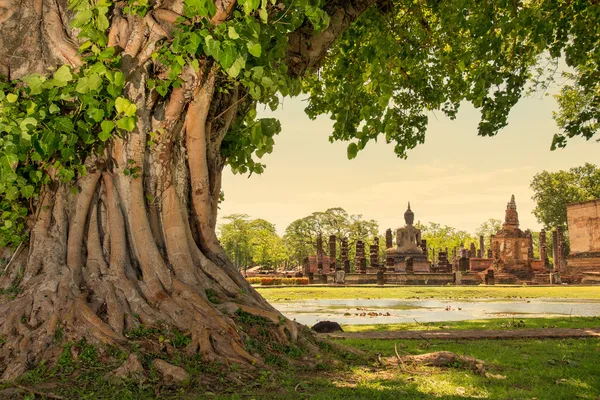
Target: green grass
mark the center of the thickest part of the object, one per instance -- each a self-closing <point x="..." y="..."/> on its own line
<point x="432" y="292"/>
<point x="483" y="324"/>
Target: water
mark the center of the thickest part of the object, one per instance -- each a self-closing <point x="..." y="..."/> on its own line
<point x="389" y="311"/>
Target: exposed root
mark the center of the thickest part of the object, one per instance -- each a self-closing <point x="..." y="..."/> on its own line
<point x="440" y="359"/>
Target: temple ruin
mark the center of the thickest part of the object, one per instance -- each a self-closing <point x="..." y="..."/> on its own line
<point x="508" y="257"/>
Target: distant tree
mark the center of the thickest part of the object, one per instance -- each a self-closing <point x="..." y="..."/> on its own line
<point x="252" y="242"/>
<point x="441" y="236"/>
<point x="235" y="239"/>
<point x="553" y="191"/>
<point x="489" y="227"/>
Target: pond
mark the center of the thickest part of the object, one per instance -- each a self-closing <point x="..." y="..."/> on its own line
<point x="389" y="311"/>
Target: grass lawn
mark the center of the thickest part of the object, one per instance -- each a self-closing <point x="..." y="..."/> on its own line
<point x="483" y="324"/>
<point x="429" y="292"/>
<point x="516" y="369"/>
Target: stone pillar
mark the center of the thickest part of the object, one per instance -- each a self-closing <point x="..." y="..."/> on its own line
<point x="543" y="248"/>
<point x="423" y="246"/>
<point x="555" y="250"/>
<point x="481" y="247"/>
<point x="561" y="248"/>
<point x="389" y="243"/>
<point x="319" y="254"/>
<point x="473" y="251"/>
<point x="333" y="265"/>
<point x="345" y="260"/>
<point x="361" y="261"/>
<point x="373" y="254"/>
<point x="489" y="253"/>
<point x="530" y="248"/>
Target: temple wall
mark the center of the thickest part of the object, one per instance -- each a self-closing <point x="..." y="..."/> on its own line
<point x="313" y="265"/>
<point x="480" y="264"/>
<point x="584" y="227"/>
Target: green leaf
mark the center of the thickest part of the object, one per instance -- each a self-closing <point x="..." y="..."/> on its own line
<point x="35" y="83"/>
<point x="83" y="85"/>
<point x="54" y="109"/>
<point x="9" y="161"/>
<point x="97" y="114"/>
<point x="28" y="122"/>
<point x="102" y="22"/>
<point x="82" y="18"/>
<point x="232" y="33"/>
<point x="126" y="123"/>
<point x="254" y="48"/>
<point x="62" y="76"/>
<point x="236" y="67"/>
<point x="27" y="191"/>
<point x="11" y="193"/>
<point x="11" y="98"/>
<point x="122" y="105"/>
<point x="64" y="124"/>
<point x="352" y="151"/>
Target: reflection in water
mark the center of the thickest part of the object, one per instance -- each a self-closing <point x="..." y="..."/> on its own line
<point x="356" y="312"/>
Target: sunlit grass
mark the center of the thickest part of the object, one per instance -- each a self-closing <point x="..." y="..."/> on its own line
<point x="423" y="292"/>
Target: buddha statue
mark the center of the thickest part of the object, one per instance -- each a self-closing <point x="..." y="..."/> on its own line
<point x="408" y="238"/>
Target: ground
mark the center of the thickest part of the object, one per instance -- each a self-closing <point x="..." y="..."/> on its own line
<point x="514" y="369"/>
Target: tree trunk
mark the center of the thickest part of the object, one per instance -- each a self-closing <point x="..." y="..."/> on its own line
<point x="127" y="249"/>
<point x="137" y="248"/>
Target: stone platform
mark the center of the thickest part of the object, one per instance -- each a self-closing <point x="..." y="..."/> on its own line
<point x="417" y="278"/>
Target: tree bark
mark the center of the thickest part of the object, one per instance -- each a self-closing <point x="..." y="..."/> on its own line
<point x="133" y="249"/>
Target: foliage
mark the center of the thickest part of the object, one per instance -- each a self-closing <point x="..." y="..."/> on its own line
<point x="439" y="237"/>
<point x="301" y="234"/>
<point x="385" y="74"/>
<point x="488" y="228"/>
<point x="553" y="191"/>
<point x="252" y="242"/>
<point x="381" y="77"/>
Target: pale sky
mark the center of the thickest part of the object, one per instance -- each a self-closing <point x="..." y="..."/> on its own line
<point x="455" y="178"/>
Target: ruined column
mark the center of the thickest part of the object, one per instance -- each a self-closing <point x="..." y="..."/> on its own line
<point x="319" y="254"/>
<point x="345" y="260"/>
<point x="473" y="251"/>
<point x="361" y="261"/>
<point x="333" y="265"/>
<point x="543" y="248"/>
<point x="561" y="248"/>
<point x="389" y="243"/>
<point x="530" y="248"/>
<point x="555" y="250"/>
<point x="373" y="254"/>
<point x="481" y="247"/>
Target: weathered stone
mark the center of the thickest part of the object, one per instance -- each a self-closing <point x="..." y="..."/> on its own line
<point x="389" y="243"/>
<point x="345" y="260"/>
<point x="327" y="327"/>
<point x="333" y="265"/>
<point x="340" y="277"/>
<point x="481" y="247"/>
<point x="511" y="247"/>
<point x="544" y="248"/>
<point x="319" y="254"/>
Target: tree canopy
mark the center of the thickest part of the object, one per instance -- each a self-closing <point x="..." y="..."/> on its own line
<point x="252" y="242"/>
<point x="553" y="191"/>
<point x="376" y="67"/>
